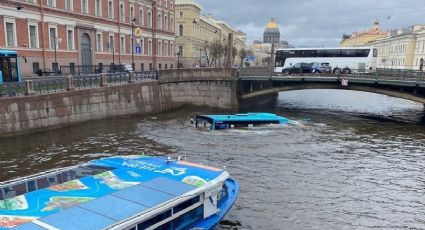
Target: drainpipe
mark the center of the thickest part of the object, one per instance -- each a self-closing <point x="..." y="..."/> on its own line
<point x="119" y="31"/>
<point x="43" y="42"/>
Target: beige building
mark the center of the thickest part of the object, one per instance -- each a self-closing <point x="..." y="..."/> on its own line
<point x="196" y="32"/>
<point x="403" y="49"/>
<point x="361" y="38"/>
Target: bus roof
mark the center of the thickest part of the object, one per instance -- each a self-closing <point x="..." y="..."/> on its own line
<point x="327" y="48"/>
<point x="7" y="52"/>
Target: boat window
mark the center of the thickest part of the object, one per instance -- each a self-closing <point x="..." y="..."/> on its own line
<point x="186" y="204"/>
<point x="189" y="218"/>
<point x="154" y="220"/>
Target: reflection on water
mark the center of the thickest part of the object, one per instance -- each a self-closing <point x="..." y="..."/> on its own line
<point x="351" y="160"/>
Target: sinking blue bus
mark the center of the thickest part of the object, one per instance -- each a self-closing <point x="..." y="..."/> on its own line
<point x="9" y="67"/>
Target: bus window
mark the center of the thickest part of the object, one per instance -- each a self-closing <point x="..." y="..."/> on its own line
<point x="9" y="69"/>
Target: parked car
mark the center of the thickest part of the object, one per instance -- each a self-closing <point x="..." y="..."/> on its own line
<point x="317" y="67"/>
<point x="122" y="68"/>
<point x="297" y="68"/>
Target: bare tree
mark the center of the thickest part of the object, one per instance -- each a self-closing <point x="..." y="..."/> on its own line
<point x="242" y="55"/>
<point x="234" y="54"/>
<point x="215" y="50"/>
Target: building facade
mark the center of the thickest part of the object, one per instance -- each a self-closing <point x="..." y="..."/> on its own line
<point x="361" y="38"/>
<point x="403" y="49"/>
<point x="196" y="33"/>
<point x="52" y="33"/>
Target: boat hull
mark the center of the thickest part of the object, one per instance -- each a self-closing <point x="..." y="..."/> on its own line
<point x="224" y="207"/>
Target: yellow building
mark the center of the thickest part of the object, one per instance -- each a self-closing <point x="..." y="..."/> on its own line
<point x="195" y="32"/>
<point x="361" y="38"/>
<point x="402" y="50"/>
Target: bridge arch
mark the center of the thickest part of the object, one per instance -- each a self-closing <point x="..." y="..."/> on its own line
<point x="305" y="86"/>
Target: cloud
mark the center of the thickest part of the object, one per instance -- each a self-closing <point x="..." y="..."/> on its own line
<point x="315" y="22"/>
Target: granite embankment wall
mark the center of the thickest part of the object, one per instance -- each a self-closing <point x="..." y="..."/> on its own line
<point x="36" y="112"/>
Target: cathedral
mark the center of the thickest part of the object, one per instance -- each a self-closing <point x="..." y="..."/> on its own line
<point x="271" y="33"/>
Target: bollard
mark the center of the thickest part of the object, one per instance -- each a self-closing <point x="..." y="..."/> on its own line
<point x="70" y="83"/>
<point x="103" y="81"/>
<point x="29" y="87"/>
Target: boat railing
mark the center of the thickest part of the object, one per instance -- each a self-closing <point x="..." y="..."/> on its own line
<point x="37" y="176"/>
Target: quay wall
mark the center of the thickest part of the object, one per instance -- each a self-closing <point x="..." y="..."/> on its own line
<point x="34" y="113"/>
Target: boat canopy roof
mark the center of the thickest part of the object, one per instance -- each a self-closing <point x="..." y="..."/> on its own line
<point x="245" y="117"/>
<point x="135" y="185"/>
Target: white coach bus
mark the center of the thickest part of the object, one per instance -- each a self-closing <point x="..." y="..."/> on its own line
<point x="342" y="60"/>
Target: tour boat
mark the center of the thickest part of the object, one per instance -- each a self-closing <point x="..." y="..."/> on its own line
<point x="123" y="192"/>
<point x="217" y="122"/>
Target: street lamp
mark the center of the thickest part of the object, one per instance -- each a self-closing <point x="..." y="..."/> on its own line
<point x="133" y="21"/>
<point x="153" y="34"/>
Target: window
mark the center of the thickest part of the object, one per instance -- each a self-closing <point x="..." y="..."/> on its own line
<point x="181" y="14"/>
<point x="131" y="12"/>
<point x="141" y="17"/>
<point x="52" y="35"/>
<point x="154" y="220"/>
<point x="186" y="204"/>
<point x="159" y="51"/>
<point x="84" y="6"/>
<point x="70" y="39"/>
<point x="172" y="24"/>
<point x="122" y="12"/>
<point x="184" y="221"/>
<point x="150" y="19"/>
<point x="31" y="1"/>
<point x="51" y="3"/>
<point x="33" y="35"/>
<point x="122" y="44"/>
<point x="99" y="42"/>
<point x="180" y="51"/>
<point x="110" y="9"/>
<point x="35" y="67"/>
<point x="159" y="21"/>
<point x="150" y="47"/>
<point x="111" y="44"/>
<point x="150" y="66"/>
<point x="142" y="67"/>
<point x="10" y="33"/>
<point x="98" y="6"/>
<point x="69" y="5"/>
<point x="165" y="23"/>
<point x="181" y="30"/>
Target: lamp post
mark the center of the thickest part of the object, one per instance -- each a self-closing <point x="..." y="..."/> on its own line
<point x="133" y="21"/>
<point x="153" y="34"/>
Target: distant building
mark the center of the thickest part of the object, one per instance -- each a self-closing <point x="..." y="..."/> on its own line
<point x="361" y="38"/>
<point x="271" y="33"/>
<point x="195" y="32"/>
<point x="403" y="49"/>
<point x="262" y="49"/>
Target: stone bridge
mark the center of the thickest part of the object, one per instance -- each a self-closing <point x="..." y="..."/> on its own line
<point x="410" y="85"/>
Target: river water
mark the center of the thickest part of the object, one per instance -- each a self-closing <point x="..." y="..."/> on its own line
<point x="350" y="161"/>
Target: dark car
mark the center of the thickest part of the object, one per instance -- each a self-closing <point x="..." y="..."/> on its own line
<point x="297" y="68"/>
<point x="317" y="67"/>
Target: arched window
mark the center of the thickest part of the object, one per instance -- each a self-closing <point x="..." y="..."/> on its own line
<point x="181" y="30"/>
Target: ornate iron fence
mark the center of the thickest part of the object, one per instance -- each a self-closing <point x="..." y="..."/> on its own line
<point x="50" y="85"/>
<point x="89" y="81"/>
<point x="12" y="89"/>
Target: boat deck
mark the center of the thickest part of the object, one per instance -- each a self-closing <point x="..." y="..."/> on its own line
<point x="224" y="121"/>
<point x="136" y="185"/>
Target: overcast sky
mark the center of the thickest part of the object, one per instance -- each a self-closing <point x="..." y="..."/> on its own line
<point x="315" y="22"/>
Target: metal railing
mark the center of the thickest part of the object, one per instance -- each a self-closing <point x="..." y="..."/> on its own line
<point x="377" y="75"/>
<point x="69" y="83"/>
<point x="12" y="89"/>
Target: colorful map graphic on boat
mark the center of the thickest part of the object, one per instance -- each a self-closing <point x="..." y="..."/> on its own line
<point x="122" y="173"/>
<point x="68" y="186"/>
<point x="12" y="221"/>
<point x="15" y="203"/>
<point x="65" y="202"/>
<point x="113" y="181"/>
